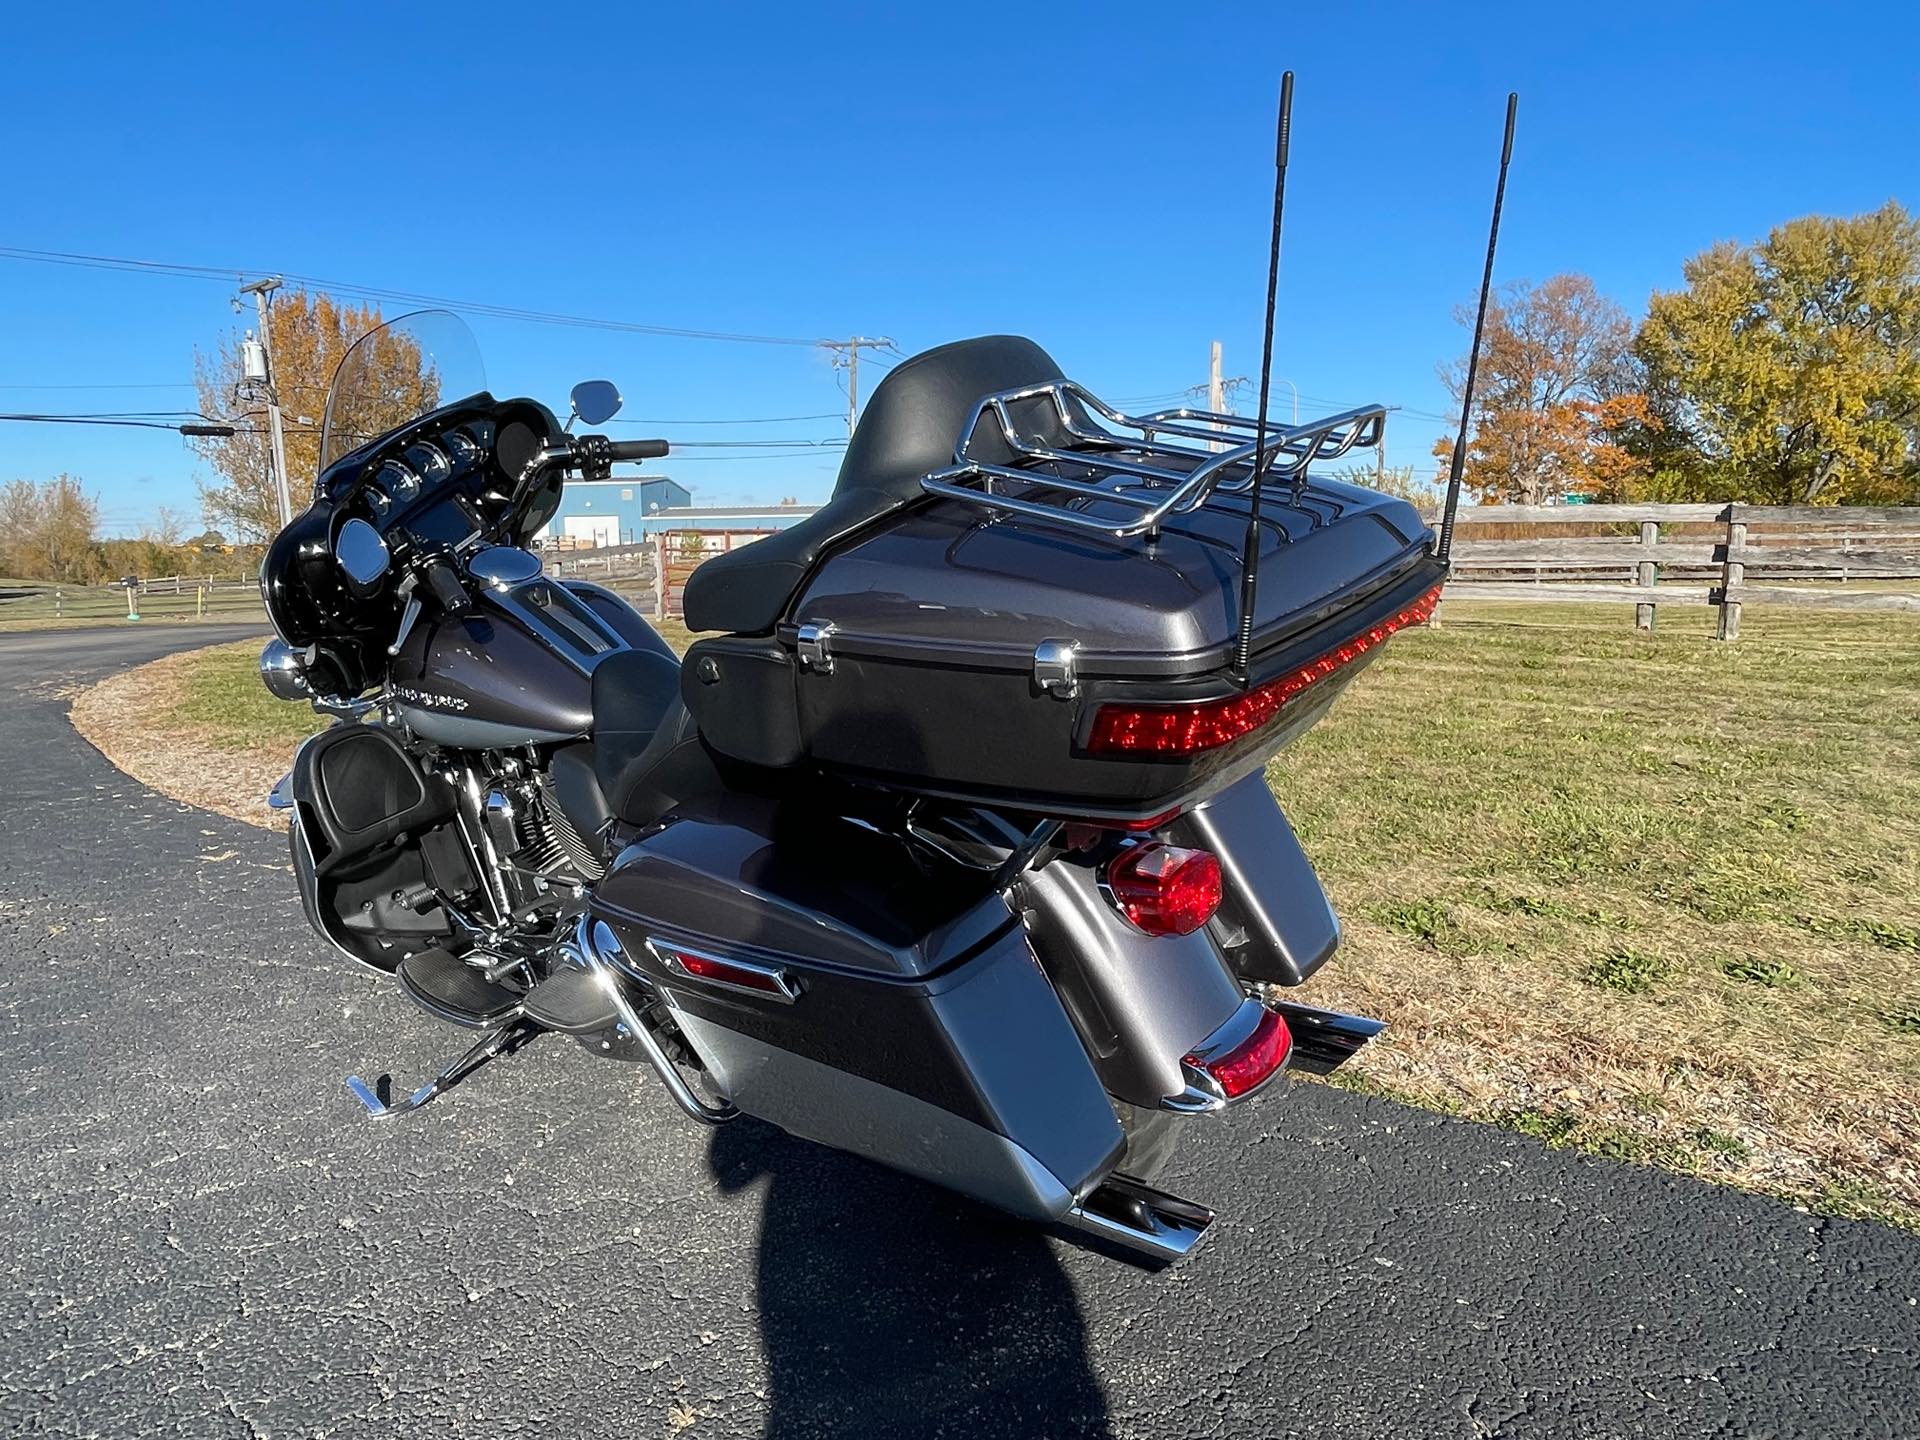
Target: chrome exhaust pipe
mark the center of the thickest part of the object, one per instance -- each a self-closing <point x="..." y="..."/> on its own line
<point x="1143" y="1222"/>
<point x="1323" y="1040"/>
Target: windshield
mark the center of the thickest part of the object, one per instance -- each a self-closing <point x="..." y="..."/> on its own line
<point x="398" y="373"/>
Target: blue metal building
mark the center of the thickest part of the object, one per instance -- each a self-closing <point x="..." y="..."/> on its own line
<point x="615" y="511"/>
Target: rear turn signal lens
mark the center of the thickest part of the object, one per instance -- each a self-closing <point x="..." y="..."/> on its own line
<point x="1189" y="729"/>
<point x="1163" y="889"/>
<point x="1253" y="1061"/>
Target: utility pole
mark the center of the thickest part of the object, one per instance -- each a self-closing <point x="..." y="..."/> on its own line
<point x="850" y="349"/>
<point x="1216" y="392"/>
<point x="261" y="290"/>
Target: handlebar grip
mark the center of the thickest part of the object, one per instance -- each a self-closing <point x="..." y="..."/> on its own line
<point x="637" y="449"/>
<point x="444" y="581"/>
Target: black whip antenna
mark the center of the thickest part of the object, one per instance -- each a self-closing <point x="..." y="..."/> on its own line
<point x="1445" y="549"/>
<point x="1250" y="556"/>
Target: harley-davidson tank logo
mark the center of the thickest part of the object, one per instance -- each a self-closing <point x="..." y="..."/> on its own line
<point x="428" y="699"/>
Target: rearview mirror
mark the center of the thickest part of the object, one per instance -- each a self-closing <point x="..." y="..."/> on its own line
<point x="596" y="401"/>
<point x="362" y="555"/>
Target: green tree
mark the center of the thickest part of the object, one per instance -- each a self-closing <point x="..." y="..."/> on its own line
<point x="1396" y="480"/>
<point x="1788" y="372"/>
<point x="19" y="514"/>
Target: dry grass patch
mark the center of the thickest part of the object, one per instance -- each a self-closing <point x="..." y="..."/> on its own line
<point x="1646" y="896"/>
<point x="199" y="727"/>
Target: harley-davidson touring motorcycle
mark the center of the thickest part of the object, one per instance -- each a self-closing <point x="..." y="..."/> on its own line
<point x="947" y="843"/>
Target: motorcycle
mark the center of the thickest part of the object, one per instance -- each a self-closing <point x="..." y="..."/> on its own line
<point x="946" y="844"/>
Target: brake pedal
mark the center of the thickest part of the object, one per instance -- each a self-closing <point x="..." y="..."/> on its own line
<point x="378" y="1097"/>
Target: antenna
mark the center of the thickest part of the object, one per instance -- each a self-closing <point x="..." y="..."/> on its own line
<point x="1445" y="549"/>
<point x="1250" y="555"/>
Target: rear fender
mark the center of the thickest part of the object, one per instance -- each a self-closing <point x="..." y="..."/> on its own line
<point x="1139" y="1002"/>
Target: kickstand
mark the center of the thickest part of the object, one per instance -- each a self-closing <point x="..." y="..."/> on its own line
<point x="378" y="1097"/>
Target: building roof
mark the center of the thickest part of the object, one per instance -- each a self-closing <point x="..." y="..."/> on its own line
<point x="628" y="481"/>
<point x="798" y="511"/>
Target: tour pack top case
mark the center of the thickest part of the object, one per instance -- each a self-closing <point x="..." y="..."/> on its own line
<point x="1020" y="596"/>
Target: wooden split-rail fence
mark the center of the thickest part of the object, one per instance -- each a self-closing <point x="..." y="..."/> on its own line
<point x="1726" y="556"/>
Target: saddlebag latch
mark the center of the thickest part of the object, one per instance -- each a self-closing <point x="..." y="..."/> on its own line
<point x="1053" y="668"/>
<point x="816" y="647"/>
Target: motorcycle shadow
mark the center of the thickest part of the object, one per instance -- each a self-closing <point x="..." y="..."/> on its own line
<point x="891" y="1307"/>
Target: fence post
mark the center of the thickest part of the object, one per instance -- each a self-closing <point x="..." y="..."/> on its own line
<point x="1647" y="574"/>
<point x="1732" y="572"/>
<point x="660" y="575"/>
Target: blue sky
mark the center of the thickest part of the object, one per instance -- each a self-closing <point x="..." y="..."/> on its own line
<point x="1096" y="177"/>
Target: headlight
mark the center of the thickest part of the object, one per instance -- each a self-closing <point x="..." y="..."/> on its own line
<point x="284" y="672"/>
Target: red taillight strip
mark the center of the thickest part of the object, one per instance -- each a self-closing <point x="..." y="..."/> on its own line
<point x="1253" y="1062"/>
<point x="1187" y="729"/>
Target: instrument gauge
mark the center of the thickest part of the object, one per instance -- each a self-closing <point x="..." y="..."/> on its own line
<point x="398" y="480"/>
<point x="430" y="462"/>
<point x="463" y="447"/>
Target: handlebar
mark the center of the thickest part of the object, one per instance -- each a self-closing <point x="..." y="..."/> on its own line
<point x="637" y="450"/>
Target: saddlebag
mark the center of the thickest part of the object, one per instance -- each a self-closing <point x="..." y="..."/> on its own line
<point x="864" y="996"/>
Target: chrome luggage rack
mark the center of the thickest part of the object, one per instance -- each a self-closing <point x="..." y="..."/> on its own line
<point x="1139" y="468"/>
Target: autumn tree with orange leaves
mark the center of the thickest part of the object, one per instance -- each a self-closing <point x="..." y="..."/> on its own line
<point x="309" y="333"/>
<point x="1554" y="395"/>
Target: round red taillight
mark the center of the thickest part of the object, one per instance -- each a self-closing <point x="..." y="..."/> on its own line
<point x="1163" y="889"/>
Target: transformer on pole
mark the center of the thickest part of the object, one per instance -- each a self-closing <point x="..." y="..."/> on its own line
<point x="259" y="353"/>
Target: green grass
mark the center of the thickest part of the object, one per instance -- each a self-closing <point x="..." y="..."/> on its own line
<point x="1639" y="886"/>
<point x="221" y="701"/>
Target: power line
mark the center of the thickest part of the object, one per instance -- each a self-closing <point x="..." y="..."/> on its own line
<point x="119" y="423"/>
<point x="162" y="385"/>
<point x="833" y="443"/>
<point x="767" y="455"/>
<point x="227" y="274"/>
<point x="755" y="420"/>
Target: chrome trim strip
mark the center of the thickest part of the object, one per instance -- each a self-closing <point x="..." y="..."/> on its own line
<point x="563" y="644"/>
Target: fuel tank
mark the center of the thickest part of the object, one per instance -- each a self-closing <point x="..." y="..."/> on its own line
<point x="517" y="669"/>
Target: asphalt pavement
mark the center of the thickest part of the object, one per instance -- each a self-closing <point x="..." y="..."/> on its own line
<point x="205" y="1237"/>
